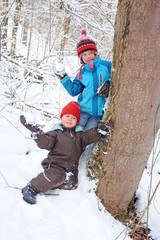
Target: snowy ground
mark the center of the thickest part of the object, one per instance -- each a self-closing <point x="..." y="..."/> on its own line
<point x="71" y="215"/>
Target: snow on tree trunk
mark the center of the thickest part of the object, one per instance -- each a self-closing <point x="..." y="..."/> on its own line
<point x="134" y="101"/>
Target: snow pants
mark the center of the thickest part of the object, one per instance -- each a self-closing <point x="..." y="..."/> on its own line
<point x="55" y="177"/>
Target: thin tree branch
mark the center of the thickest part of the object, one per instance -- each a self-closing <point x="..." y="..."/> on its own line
<point x="85" y="20"/>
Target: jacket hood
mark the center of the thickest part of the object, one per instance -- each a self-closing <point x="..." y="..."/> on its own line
<point x="59" y="126"/>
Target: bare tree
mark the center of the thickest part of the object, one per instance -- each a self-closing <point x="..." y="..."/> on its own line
<point x="15" y="28"/>
<point x="30" y="32"/>
<point x="25" y="26"/>
<point x="134" y="102"/>
<point x="4" y="22"/>
<point x="66" y="28"/>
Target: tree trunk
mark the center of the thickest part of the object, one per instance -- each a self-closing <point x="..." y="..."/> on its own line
<point x="134" y="102"/>
<point x="4" y="23"/>
<point x="25" y="31"/>
<point x="15" y="27"/>
<point x="66" y="27"/>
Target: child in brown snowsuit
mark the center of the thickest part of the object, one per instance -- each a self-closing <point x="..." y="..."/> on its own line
<point x="65" y="143"/>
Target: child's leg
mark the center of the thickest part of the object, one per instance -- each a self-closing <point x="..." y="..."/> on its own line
<point x="92" y="122"/>
<point x="71" y="180"/>
<point x="83" y="119"/>
<point x="49" y="179"/>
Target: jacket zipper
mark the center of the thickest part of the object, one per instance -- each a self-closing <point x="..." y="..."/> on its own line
<point x="100" y="78"/>
<point x="71" y="134"/>
<point x="72" y="143"/>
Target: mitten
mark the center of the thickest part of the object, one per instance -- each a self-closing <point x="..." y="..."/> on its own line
<point x="33" y="128"/>
<point x="104" y="89"/>
<point x="104" y="128"/>
<point x="60" y="71"/>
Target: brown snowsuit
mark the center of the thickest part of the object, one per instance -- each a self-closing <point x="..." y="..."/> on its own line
<point x="61" y="165"/>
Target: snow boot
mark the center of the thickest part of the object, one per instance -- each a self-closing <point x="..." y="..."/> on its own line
<point x="29" y="194"/>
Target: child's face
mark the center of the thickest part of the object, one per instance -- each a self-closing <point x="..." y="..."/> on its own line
<point x="87" y="56"/>
<point x="69" y="121"/>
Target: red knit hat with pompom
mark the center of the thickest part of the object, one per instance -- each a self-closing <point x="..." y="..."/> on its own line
<point x="85" y="44"/>
<point x="72" y="108"/>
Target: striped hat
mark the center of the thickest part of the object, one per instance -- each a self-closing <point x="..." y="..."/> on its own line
<point x="85" y="44"/>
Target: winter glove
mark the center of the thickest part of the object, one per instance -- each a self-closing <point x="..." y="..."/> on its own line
<point x="104" y="128"/>
<point x="33" y="128"/>
<point x="60" y="71"/>
<point x="104" y="89"/>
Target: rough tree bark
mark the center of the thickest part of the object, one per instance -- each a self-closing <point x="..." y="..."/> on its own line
<point x="134" y="101"/>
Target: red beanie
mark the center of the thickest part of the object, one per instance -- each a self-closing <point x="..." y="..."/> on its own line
<point x="85" y="44"/>
<point x="72" y="108"/>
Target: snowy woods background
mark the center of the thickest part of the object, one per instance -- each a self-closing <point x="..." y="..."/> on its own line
<point x="35" y="35"/>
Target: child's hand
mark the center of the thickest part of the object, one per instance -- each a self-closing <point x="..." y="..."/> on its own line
<point x="104" y="89"/>
<point x="104" y="128"/>
<point x="33" y="128"/>
<point x="60" y="71"/>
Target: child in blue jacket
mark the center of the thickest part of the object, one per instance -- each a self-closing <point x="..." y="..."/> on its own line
<point x="92" y="83"/>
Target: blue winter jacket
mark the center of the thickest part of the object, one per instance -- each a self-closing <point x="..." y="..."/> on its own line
<point x="89" y="101"/>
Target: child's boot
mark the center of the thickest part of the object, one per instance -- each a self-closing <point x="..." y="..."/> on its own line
<point x="29" y="194"/>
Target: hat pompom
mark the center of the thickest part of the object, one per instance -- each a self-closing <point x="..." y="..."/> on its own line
<point x="85" y="44"/>
<point x="84" y="34"/>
